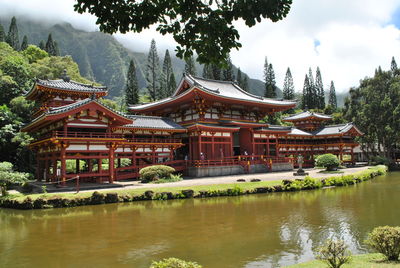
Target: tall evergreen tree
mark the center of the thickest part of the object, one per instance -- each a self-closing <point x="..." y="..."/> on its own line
<point x="239" y="79"/>
<point x="332" y="96"/>
<point x="12" y="37"/>
<point x="288" y="86"/>
<point x="41" y="45"/>
<point x="227" y="72"/>
<point x="132" y="88"/>
<point x="216" y="72"/>
<point x="312" y="92"/>
<point x="305" y="100"/>
<point x="270" y="83"/>
<point x="190" y="66"/>
<point x="393" y="67"/>
<point x="50" y="48"/>
<point x="56" y="49"/>
<point x="319" y="88"/>
<point x="207" y="72"/>
<point x="165" y="77"/>
<point x="172" y="83"/>
<point x="245" y="84"/>
<point x="153" y="72"/>
<point x="24" y="44"/>
<point x="2" y="34"/>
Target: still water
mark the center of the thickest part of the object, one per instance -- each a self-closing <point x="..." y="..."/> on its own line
<point x="266" y="230"/>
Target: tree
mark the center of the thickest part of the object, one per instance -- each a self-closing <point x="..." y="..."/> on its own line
<point x="239" y="78"/>
<point x="50" y="47"/>
<point x="153" y="72"/>
<point x="42" y="45"/>
<point x="319" y="90"/>
<point x="393" y="67"/>
<point x="132" y="88"/>
<point x="305" y="100"/>
<point x="32" y="53"/>
<point x="332" y="96"/>
<point x="167" y="71"/>
<point x="216" y="72"/>
<point x="189" y="24"/>
<point x="12" y="37"/>
<point x="207" y="72"/>
<point x="24" y="44"/>
<point x="288" y="86"/>
<point x="2" y="34"/>
<point x="312" y="92"/>
<point x="190" y="66"/>
<point x="270" y="84"/>
<point x="227" y="72"/>
<point x="56" y="49"/>
<point x="245" y="84"/>
<point x="172" y="83"/>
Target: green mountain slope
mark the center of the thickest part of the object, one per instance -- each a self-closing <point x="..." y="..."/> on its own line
<point x="100" y="56"/>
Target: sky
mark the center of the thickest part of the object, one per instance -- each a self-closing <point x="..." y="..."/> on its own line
<point x="347" y="39"/>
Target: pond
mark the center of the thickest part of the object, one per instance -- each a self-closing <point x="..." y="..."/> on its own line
<point x="265" y="230"/>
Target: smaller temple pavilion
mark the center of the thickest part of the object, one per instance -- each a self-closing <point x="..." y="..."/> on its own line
<point x="205" y="128"/>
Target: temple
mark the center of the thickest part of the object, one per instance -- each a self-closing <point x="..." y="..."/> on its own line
<point x="205" y="128"/>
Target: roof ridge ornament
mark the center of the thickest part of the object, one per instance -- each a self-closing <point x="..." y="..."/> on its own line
<point x="65" y="77"/>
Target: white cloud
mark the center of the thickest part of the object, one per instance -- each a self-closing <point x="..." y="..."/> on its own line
<point x="354" y="37"/>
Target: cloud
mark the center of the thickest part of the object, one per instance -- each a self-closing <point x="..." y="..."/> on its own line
<point x="346" y="39"/>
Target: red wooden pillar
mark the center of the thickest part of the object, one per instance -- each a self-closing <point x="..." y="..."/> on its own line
<point x="99" y="165"/>
<point x="63" y="164"/>
<point x="212" y="147"/>
<point x="199" y="144"/>
<point x="77" y="167"/>
<point x="90" y="165"/>
<point x="111" y="158"/>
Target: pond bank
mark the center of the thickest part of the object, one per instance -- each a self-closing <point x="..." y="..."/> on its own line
<point x="40" y="201"/>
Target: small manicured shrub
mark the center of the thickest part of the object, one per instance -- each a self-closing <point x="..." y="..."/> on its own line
<point x="111" y="198"/>
<point x="255" y="180"/>
<point x="328" y="161"/>
<point x="386" y="240"/>
<point x="156" y="172"/>
<point x="174" y="263"/>
<point x="8" y="177"/>
<point x="240" y="180"/>
<point x="148" y="195"/>
<point x="171" y="178"/>
<point x="334" y="253"/>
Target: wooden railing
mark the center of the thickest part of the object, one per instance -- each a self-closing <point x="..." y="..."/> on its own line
<point x="98" y="135"/>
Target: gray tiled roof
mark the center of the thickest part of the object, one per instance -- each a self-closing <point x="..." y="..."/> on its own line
<point x="274" y="128"/>
<point x="141" y="121"/>
<point x="70" y="85"/>
<point x="298" y="132"/>
<point x="307" y="114"/>
<point x="334" y="129"/>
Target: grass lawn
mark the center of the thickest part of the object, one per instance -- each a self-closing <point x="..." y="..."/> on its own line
<point x="374" y="260"/>
<point x="243" y="185"/>
<point x="331" y="172"/>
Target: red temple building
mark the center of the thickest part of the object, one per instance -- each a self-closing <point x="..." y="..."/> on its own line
<point x="205" y="128"/>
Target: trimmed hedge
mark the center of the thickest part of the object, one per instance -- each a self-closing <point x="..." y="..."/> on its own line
<point x="97" y="198"/>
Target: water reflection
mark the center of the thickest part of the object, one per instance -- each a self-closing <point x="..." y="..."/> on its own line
<point x="248" y="231"/>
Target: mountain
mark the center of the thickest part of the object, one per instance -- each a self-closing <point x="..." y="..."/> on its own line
<point x="100" y="56"/>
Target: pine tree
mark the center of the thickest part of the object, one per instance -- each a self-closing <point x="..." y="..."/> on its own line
<point x="172" y="83"/>
<point x="393" y="67"/>
<point x="132" y="88"/>
<point x="227" y="73"/>
<point x="216" y="72"/>
<point x="2" y="34"/>
<point x="288" y="86"/>
<point x="305" y="100"/>
<point x="24" y="44"/>
<point x="56" y="49"/>
<point x="239" y="79"/>
<point x="319" y="88"/>
<point x="50" y="48"/>
<point x="207" y="73"/>
<point x="41" y="45"/>
<point x="270" y="83"/>
<point x="167" y="71"/>
<point x="332" y="96"/>
<point x="12" y="37"/>
<point x="153" y="72"/>
<point x="245" y="84"/>
<point x="312" y="96"/>
<point x="190" y="66"/>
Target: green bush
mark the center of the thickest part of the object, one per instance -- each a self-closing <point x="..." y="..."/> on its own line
<point x="156" y="172"/>
<point x="328" y="161"/>
<point x="174" y="263"/>
<point x="6" y="167"/>
<point x="334" y="253"/>
<point x="386" y="240"/>
<point x="380" y="160"/>
<point x="171" y="178"/>
<point x="9" y="177"/>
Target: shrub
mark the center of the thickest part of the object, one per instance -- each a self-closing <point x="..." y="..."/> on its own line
<point x="174" y="263"/>
<point x="334" y="253"/>
<point x="8" y="177"/>
<point x="188" y="193"/>
<point x="255" y="180"/>
<point x="171" y="178"/>
<point x="6" y="167"/>
<point x="111" y="198"/>
<point x="386" y="240"/>
<point x="97" y="198"/>
<point x="380" y="160"/>
<point x="328" y="161"/>
<point x="241" y="180"/>
<point x="156" y="172"/>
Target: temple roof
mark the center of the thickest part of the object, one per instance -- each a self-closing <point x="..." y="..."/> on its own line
<point x="151" y="122"/>
<point x="305" y="115"/>
<point x="298" y="132"/>
<point x="222" y="89"/>
<point x="336" y="129"/>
